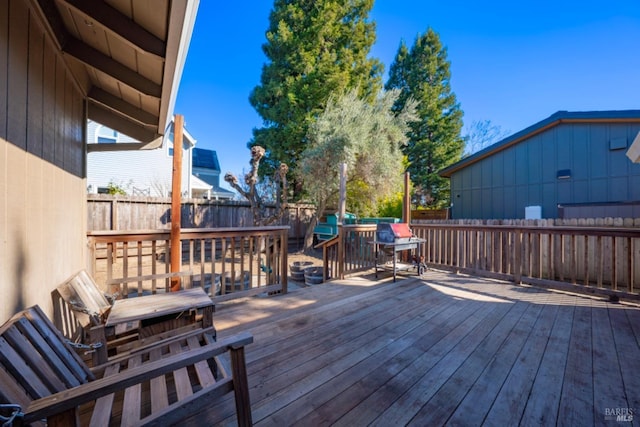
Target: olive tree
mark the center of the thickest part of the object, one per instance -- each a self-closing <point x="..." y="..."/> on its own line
<point x="367" y="137"/>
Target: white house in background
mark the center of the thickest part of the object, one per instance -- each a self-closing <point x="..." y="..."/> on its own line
<point x="207" y="168"/>
<point x="143" y="172"/>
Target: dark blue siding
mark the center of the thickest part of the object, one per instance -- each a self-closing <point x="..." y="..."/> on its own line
<point x="524" y="174"/>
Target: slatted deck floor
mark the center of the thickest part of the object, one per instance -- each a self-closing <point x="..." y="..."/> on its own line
<point x="448" y="349"/>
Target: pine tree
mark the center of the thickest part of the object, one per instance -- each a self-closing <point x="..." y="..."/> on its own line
<point x="314" y="48"/>
<point x="422" y="73"/>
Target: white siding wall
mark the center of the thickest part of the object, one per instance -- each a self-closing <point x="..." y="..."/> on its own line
<point x="143" y="169"/>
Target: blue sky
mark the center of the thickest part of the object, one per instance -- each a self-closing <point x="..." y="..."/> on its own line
<point x="513" y="63"/>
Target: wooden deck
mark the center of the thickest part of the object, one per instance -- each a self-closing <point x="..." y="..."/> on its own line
<point x="449" y="349"/>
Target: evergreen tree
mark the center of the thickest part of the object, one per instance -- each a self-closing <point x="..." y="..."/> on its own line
<point x="422" y="73"/>
<point x="314" y="48"/>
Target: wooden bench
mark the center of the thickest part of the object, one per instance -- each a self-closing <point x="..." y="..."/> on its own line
<point x="84" y="315"/>
<point x="159" y="384"/>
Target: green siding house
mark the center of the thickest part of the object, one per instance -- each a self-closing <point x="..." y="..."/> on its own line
<point x="571" y="164"/>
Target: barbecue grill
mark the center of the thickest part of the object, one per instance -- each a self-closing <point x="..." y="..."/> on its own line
<point x="390" y="239"/>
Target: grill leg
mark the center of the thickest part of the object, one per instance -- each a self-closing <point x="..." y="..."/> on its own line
<point x="395" y="257"/>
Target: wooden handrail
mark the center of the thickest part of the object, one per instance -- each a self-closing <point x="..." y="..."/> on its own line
<point x="348" y="252"/>
<point x="594" y="259"/>
<point x="232" y="259"/>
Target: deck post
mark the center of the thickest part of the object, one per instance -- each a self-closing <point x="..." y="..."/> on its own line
<point x="176" y="190"/>
<point x="341" y="239"/>
<point x="342" y="204"/>
<point x="284" y="251"/>
<point x="406" y="201"/>
<point x="241" y="386"/>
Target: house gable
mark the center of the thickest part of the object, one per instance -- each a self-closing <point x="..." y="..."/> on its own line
<point x="570" y="158"/>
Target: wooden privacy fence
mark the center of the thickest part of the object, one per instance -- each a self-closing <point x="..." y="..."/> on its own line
<point x="107" y="212"/>
<point x="593" y="258"/>
<point x="226" y="262"/>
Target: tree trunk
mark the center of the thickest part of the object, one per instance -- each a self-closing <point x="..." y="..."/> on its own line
<point x="308" y="236"/>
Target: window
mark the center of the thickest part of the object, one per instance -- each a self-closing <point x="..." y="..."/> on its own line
<point x="170" y="141"/>
<point x="105" y="135"/>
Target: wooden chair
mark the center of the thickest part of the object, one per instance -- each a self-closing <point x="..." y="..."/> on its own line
<point x="157" y="385"/>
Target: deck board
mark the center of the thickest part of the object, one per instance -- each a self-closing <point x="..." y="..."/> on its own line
<point x="445" y="349"/>
<point x="475" y="405"/>
<point x="628" y="353"/>
<point x="332" y="390"/>
<point x="576" y="401"/>
<point x="344" y="360"/>
<point x="430" y="369"/>
<point x="608" y="388"/>
<point x="512" y="398"/>
<point x="544" y="411"/>
<point x="372" y="392"/>
<point x="445" y="401"/>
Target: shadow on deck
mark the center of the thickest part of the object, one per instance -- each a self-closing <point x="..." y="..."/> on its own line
<point x="449" y="349"/>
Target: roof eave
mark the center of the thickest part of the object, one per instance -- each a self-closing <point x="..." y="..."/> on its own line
<point x="181" y="23"/>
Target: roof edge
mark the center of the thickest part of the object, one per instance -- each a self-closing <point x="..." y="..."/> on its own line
<point x="181" y="23"/>
<point x="609" y="116"/>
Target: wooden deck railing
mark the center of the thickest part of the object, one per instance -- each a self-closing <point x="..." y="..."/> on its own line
<point x="593" y="258"/>
<point x="226" y="262"/>
<point x="350" y="251"/>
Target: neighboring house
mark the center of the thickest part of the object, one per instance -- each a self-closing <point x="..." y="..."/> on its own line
<point x="207" y="168"/>
<point x="147" y="171"/>
<point x="571" y="164"/>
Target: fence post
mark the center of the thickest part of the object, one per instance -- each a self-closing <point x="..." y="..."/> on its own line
<point x="284" y="250"/>
<point x="341" y="240"/>
<point x="517" y="267"/>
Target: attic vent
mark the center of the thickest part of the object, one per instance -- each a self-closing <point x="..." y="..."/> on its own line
<point x="617" y="143"/>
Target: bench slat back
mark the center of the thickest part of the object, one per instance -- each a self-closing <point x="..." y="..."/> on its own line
<point x="35" y="361"/>
<point x="81" y="293"/>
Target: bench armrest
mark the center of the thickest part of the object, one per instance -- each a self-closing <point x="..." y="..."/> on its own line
<point x="70" y="399"/>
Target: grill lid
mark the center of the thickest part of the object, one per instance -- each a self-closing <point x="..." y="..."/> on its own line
<point x="389" y="233"/>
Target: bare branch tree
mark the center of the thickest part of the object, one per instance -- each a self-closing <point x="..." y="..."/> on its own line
<point x="481" y="134"/>
<point x="250" y="192"/>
